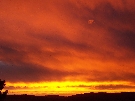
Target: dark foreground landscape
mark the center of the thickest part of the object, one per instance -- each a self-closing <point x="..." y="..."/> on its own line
<point x="101" y="96"/>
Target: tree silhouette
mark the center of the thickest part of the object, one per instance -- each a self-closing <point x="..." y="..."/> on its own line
<point x="2" y="85"/>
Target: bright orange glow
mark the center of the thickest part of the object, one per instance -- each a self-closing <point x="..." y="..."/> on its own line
<point x="64" y="88"/>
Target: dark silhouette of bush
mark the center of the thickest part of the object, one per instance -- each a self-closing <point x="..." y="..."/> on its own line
<point x="2" y="85"/>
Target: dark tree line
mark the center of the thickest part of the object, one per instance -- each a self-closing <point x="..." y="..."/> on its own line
<point x="2" y="85"/>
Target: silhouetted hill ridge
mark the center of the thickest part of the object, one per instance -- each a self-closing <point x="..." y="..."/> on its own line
<point x="101" y="96"/>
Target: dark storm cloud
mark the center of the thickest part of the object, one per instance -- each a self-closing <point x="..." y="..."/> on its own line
<point x="118" y="23"/>
<point x="105" y="15"/>
<point x="120" y="27"/>
<point x="14" y="52"/>
<point x="31" y="73"/>
<point x="124" y="39"/>
<point x="106" y="12"/>
<point x="112" y="76"/>
<point x="61" y="42"/>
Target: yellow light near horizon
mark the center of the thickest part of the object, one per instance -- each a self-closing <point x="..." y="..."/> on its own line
<point x="61" y="88"/>
<point x="64" y="83"/>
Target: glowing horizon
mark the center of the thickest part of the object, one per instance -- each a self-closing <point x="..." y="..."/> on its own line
<point x="67" y="88"/>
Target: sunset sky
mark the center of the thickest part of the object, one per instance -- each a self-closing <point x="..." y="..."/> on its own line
<point x="67" y="47"/>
